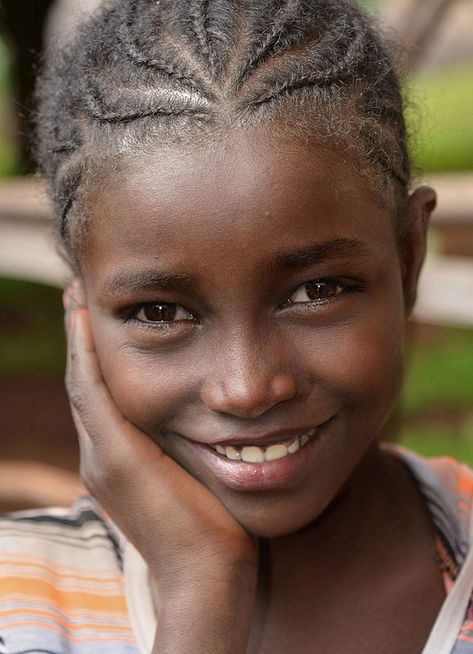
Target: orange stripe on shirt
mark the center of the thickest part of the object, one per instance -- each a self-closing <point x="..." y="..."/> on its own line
<point x="69" y="600"/>
<point x="8" y="613"/>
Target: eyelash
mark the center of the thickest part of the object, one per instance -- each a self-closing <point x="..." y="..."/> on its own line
<point x="342" y="287"/>
<point x="160" y="324"/>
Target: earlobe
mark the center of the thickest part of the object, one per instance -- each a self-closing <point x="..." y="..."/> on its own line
<point x="422" y="203"/>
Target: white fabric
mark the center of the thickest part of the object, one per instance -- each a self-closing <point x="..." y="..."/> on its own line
<point x="139" y="600"/>
<point x="450" y="618"/>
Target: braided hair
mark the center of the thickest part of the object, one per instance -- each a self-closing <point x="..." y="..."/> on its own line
<point x="141" y="73"/>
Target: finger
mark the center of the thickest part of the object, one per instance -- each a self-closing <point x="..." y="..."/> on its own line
<point x="111" y="447"/>
<point x="87" y="390"/>
<point x="73" y="297"/>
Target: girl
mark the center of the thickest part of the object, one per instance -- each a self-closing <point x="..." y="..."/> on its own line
<point x="231" y="189"/>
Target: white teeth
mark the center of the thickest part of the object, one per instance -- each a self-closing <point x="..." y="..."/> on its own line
<point x="275" y="452"/>
<point x="252" y="454"/>
<point x="255" y="454"/>
<point x="232" y="453"/>
<point x="293" y="447"/>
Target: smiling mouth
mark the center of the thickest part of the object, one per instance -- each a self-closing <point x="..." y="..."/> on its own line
<point x="257" y="454"/>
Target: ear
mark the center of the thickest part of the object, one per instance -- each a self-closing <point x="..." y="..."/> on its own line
<point x="422" y="202"/>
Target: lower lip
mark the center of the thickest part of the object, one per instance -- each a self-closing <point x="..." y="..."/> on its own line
<point x="240" y="475"/>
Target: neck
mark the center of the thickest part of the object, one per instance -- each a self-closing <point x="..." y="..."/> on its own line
<point x="379" y="508"/>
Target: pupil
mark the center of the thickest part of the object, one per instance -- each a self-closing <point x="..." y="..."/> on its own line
<point x="159" y="312"/>
<point x="321" y="290"/>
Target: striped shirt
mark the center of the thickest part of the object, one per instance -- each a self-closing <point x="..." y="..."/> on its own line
<point x="62" y="584"/>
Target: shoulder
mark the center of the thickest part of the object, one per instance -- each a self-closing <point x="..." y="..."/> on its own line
<point x="447" y="488"/>
<point x="454" y="480"/>
<point x="60" y="536"/>
<point x="453" y="477"/>
<point x="61" y="582"/>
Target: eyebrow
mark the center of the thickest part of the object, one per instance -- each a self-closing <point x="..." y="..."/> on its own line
<point x="148" y="280"/>
<point x="130" y="281"/>
<point x="319" y="252"/>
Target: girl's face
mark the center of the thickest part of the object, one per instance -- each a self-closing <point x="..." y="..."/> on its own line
<point x="249" y="292"/>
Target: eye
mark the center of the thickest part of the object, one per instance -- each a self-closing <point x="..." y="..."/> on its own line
<point x="161" y="312"/>
<point x="317" y="290"/>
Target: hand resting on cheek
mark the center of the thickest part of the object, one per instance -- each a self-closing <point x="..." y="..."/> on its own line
<point x="201" y="560"/>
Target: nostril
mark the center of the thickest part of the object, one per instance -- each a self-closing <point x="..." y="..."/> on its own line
<point x="284" y="387"/>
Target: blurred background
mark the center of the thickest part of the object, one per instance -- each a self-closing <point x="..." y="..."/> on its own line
<point x="38" y="450"/>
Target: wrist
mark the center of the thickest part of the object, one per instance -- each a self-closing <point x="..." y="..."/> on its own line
<point x="211" y="616"/>
<point x="202" y="573"/>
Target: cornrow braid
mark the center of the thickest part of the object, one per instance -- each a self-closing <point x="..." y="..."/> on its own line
<point x="211" y="27"/>
<point x="336" y="58"/>
<point x="65" y="196"/>
<point x="324" y="65"/>
<point x="199" y="21"/>
<point x="142" y="72"/>
<point x="128" y="105"/>
<point x="168" y="68"/>
<point x="167" y="63"/>
<point x="269" y="39"/>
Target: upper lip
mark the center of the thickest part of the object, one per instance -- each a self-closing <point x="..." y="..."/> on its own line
<point x="266" y="438"/>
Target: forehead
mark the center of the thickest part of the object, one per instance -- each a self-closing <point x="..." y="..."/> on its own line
<point x="244" y="191"/>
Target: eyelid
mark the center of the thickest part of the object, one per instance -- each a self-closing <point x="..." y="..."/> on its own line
<point x="186" y="317"/>
<point x="344" y="286"/>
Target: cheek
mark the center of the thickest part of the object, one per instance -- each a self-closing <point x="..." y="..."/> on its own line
<point x="369" y="367"/>
<point x="361" y="364"/>
<point x="148" y="389"/>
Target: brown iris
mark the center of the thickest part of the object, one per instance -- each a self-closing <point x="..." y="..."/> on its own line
<point x="321" y="290"/>
<point x="159" y="312"/>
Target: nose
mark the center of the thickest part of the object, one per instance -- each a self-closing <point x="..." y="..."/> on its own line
<point x="246" y="383"/>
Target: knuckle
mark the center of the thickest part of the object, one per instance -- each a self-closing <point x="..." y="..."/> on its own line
<point x="78" y="394"/>
<point x="103" y="477"/>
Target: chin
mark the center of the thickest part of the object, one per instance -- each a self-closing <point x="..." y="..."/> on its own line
<point x="273" y="531"/>
<point x="276" y="520"/>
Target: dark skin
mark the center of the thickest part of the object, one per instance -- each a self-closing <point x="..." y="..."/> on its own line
<point x="339" y="558"/>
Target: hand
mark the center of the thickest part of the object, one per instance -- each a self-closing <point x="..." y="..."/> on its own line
<point x="201" y="560"/>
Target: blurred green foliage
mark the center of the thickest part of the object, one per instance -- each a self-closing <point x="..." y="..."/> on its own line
<point x="437" y="399"/>
<point x="440" y="441"/>
<point x="8" y="151"/>
<point x="440" y="373"/>
<point x="440" y="117"/>
<point x="31" y="329"/>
